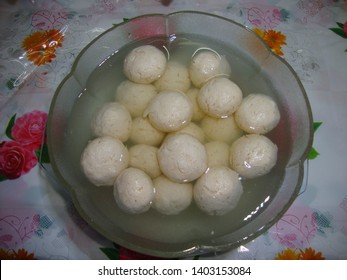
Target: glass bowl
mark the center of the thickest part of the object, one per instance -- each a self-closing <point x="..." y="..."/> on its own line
<point x="92" y="82"/>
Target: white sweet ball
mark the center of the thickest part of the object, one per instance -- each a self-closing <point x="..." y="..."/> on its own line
<point x="143" y="132"/>
<point x="175" y="77"/>
<point x="217" y="153"/>
<point x="198" y="114"/>
<point x="206" y="65"/>
<point x="258" y="114"/>
<point x="224" y="130"/>
<point x="169" y="111"/>
<point x="219" y="97"/>
<point x="112" y="119"/>
<point x="218" y="191"/>
<point x="253" y="155"/>
<point x="193" y="130"/>
<point x="135" y="97"/>
<point x="133" y="191"/>
<point x="171" y="198"/>
<point x="103" y="159"/>
<point x="144" y="157"/>
<point x="182" y="158"/>
<point x="144" y="64"/>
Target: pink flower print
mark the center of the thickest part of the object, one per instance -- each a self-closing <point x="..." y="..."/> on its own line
<point x="18" y="156"/>
<point x="103" y="6"/>
<point x="288" y="240"/>
<point x="17" y="227"/>
<point x="264" y="19"/>
<point x="311" y="7"/>
<point x="28" y="129"/>
<point x="49" y="19"/>
<point x="296" y="228"/>
<point x="276" y="13"/>
<point x="15" y="160"/>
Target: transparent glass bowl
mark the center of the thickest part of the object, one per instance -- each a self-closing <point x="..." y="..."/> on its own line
<point x="173" y="237"/>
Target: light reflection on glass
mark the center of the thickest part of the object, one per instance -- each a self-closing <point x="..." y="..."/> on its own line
<point x="242" y="249"/>
<point x="257" y="209"/>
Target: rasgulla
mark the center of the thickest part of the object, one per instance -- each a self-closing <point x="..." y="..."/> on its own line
<point x="221" y="129"/>
<point x="103" y="159"/>
<point x="169" y="111"/>
<point x="193" y="130"/>
<point x="170" y="197"/>
<point x="112" y="119"/>
<point x="219" y="97"/>
<point x="258" y="114"/>
<point x="135" y="97"/>
<point x="217" y="153"/>
<point x="133" y="191"/>
<point x="207" y="64"/>
<point x="144" y="64"/>
<point x="198" y="114"/>
<point x="218" y="190"/>
<point x="253" y="155"/>
<point x="144" y="157"/>
<point x="143" y="132"/>
<point x="175" y="77"/>
<point x="182" y="158"/>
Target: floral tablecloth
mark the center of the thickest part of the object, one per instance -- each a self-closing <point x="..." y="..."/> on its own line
<point x="39" y="41"/>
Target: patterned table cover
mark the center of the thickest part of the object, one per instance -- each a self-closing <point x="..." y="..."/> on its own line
<point x="37" y="218"/>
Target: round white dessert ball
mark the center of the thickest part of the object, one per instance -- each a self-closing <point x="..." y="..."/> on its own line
<point x="217" y="153"/>
<point x="170" y="197"/>
<point x="253" y="155"/>
<point x="218" y="190"/>
<point x="133" y="191"/>
<point x="135" y="97"/>
<point x="144" y="157"/>
<point x="198" y="114"/>
<point x="224" y="130"/>
<point x="182" y="158"/>
<point x="112" y="119"/>
<point x="169" y="111"/>
<point x="219" y="97"/>
<point x="103" y="159"/>
<point x="257" y="114"/>
<point x="193" y="130"/>
<point x="207" y="64"/>
<point x="144" y="64"/>
<point x="175" y="77"/>
<point x="143" y="132"/>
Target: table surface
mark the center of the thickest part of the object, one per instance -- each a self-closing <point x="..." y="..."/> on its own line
<point x="38" y="220"/>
